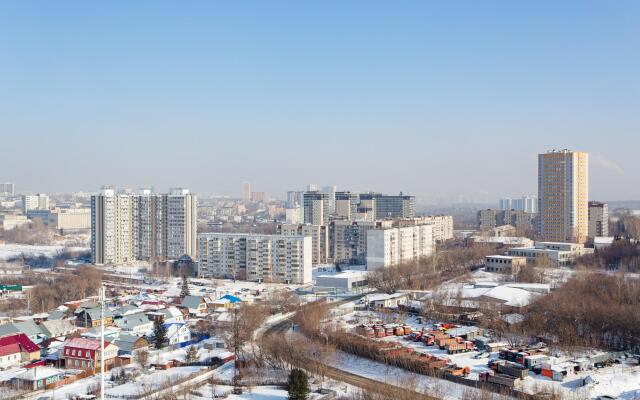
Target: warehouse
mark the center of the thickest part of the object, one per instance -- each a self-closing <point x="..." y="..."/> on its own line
<point x="343" y="281"/>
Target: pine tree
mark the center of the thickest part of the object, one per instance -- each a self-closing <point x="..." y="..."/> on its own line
<point x="192" y="355"/>
<point x="298" y="386"/>
<point x="159" y="333"/>
<point x="185" y="287"/>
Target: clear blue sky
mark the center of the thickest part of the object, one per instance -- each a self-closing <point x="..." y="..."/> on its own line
<point x="433" y="98"/>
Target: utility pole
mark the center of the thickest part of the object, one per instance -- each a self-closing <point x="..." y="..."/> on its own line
<point x="102" y="301"/>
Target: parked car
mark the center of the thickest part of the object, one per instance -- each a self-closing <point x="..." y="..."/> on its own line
<point x="483" y="354"/>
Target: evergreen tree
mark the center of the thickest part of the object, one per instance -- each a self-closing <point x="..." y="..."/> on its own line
<point x="192" y="354"/>
<point x="159" y="333"/>
<point x="185" y="287"/>
<point x="298" y="385"/>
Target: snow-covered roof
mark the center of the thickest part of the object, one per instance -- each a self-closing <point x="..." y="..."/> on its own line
<point x="38" y="373"/>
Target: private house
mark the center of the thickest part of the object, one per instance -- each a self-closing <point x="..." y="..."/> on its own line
<point x="171" y="315"/>
<point x="226" y="301"/>
<point x="37" y="378"/>
<point x="17" y="350"/>
<point x="194" y="305"/>
<point x="90" y="318"/>
<point x="57" y="328"/>
<point x="135" y="324"/>
<point x="81" y="353"/>
<point x="31" y="329"/>
<point x="178" y="333"/>
<point x="129" y="344"/>
<point x="8" y="329"/>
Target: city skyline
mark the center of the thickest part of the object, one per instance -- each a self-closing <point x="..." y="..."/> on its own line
<point x="411" y="97"/>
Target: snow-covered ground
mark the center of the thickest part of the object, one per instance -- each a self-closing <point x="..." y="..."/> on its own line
<point x="152" y="381"/>
<point x="621" y="380"/>
<point x="14" y="251"/>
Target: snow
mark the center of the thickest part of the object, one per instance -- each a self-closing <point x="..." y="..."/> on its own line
<point x="13" y="251"/>
<point x="153" y="381"/>
<point x="622" y="380"/>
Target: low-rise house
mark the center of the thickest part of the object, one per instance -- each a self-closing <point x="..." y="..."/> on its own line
<point x="383" y="300"/>
<point x="128" y="344"/>
<point x="57" y="328"/>
<point x="57" y="315"/>
<point x="8" y="329"/>
<point x="195" y="305"/>
<point x="135" y="324"/>
<point x="125" y="310"/>
<point x="226" y="301"/>
<point x="178" y="333"/>
<point x="37" y="378"/>
<point x="16" y="350"/>
<point x="171" y="315"/>
<point x="81" y="353"/>
<point x="31" y="329"/>
<point x="90" y="317"/>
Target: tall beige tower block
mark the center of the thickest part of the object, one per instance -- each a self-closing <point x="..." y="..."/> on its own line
<point x="563" y="195"/>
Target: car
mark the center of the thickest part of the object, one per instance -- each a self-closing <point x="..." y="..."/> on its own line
<point x="606" y="397"/>
<point x="483" y="354"/>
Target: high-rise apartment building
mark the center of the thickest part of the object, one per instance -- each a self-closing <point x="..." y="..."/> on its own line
<point x="330" y="191"/>
<point x="295" y="199"/>
<point x="392" y="246"/>
<point x="346" y="204"/>
<point x="111" y="228"/>
<point x="563" y="193"/>
<point x="319" y="239"/>
<point x="260" y="258"/>
<point x="38" y="201"/>
<point x="598" y="219"/>
<point x="316" y="208"/>
<point x="525" y="203"/>
<point x="442" y="225"/>
<point x="7" y="189"/>
<point x="143" y="226"/>
<point x="246" y="191"/>
<point x="389" y="206"/>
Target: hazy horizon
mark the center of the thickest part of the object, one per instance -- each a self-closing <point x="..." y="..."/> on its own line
<point x="443" y="101"/>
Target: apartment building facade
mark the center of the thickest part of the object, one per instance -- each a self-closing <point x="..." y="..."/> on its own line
<point x="563" y="192"/>
<point x="392" y="246"/>
<point x="598" y="219"/>
<point x="319" y="239"/>
<point x="142" y="226"/>
<point x="259" y="258"/>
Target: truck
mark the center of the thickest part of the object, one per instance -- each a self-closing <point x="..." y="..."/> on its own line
<point x="427" y="340"/>
<point x="455" y="348"/>
<point x="445" y="341"/>
<point x="504" y="380"/>
<point x="513" y="369"/>
<point x="457" y="371"/>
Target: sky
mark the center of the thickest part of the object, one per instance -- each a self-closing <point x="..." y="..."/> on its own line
<point x="444" y="100"/>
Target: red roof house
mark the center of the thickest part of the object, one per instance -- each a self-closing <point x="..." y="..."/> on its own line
<point x="17" y="349"/>
<point x="81" y="353"/>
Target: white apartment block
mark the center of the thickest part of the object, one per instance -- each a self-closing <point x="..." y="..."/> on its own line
<point x="319" y="239"/>
<point x="142" y="226"/>
<point x="392" y="246"/>
<point x="442" y="225"/>
<point x="70" y="219"/>
<point x="259" y="258"/>
<point x="34" y="202"/>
